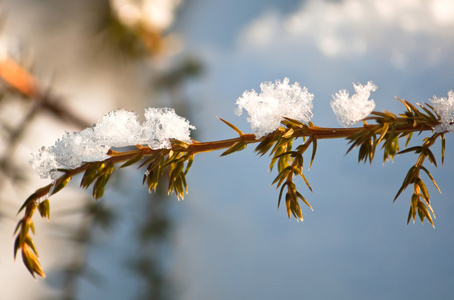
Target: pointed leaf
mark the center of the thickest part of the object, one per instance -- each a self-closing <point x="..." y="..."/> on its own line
<point x="44" y="209"/>
<point x="422" y="187"/>
<point x="304" y="200"/>
<point x="31" y="262"/>
<point x="189" y="164"/>
<point x="280" y="194"/>
<point x="428" y="112"/>
<point x="384" y="130"/>
<point x="314" y="150"/>
<point x="306" y="181"/>
<point x="431" y="177"/>
<point x="266" y="144"/>
<point x="408" y="179"/>
<point x="237" y="146"/>
<point x="29" y="200"/>
<point x="233" y="127"/>
<point x="430" y="156"/>
<point x="32" y="246"/>
<point x="91" y="174"/>
<point x="17" y="246"/>
<point x="443" y="144"/>
<point x="60" y="183"/>
<point x="133" y="160"/>
<point x="426" y="212"/>
<point x="416" y="149"/>
<point x="288" y="204"/>
<point x="288" y="133"/>
<point x="282" y="176"/>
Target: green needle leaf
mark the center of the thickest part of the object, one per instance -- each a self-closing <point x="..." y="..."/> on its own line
<point x="240" y="133"/>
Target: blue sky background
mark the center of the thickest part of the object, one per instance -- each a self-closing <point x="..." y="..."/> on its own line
<point x="230" y="241"/>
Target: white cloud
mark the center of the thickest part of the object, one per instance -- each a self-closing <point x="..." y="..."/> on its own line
<point x="398" y="29"/>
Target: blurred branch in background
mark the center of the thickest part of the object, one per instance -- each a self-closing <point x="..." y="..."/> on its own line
<point x="66" y="278"/>
<point x="140" y="32"/>
<point x="148" y="264"/>
<point x="139" y="29"/>
<point x="18" y="84"/>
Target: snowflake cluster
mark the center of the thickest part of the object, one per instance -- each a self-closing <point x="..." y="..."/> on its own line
<point x="116" y="129"/>
<point x="350" y="110"/>
<point x="276" y="100"/>
<point x="444" y="107"/>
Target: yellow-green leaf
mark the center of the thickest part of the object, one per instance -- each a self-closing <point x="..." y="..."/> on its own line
<point x="136" y="158"/>
<point x="237" y="146"/>
<point x="44" y="209"/>
<point x="232" y="126"/>
<point x="60" y="183"/>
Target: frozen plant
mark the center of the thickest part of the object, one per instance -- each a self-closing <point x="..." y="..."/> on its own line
<point x="350" y="110"/>
<point x="444" y="107"/>
<point x="163" y="124"/>
<point x="68" y="152"/>
<point x="44" y="163"/>
<point x="275" y="101"/>
<point x="116" y="129"/>
<point x="280" y="118"/>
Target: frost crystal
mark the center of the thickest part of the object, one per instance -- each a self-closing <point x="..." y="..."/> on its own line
<point x="163" y="124"/>
<point x="276" y="100"/>
<point x="75" y="148"/>
<point x="350" y="110"/>
<point x="445" y="109"/>
<point x="68" y="152"/>
<point x="116" y="129"/>
<point x="44" y="163"/>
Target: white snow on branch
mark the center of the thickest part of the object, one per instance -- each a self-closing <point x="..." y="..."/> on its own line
<point x="276" y="100"/>
<point x="44" y="163"/>
<point x="444" y="107"/>
<point x="116" y="129"/>
<point x="350" y="110"/>
<point x="163" y="124"/>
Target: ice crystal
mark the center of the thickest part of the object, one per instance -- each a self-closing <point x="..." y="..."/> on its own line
<point x="44" y="163"/>
<point x="116" y="129"/>
<point x="275" y="101"/>
<point x="163" y="124"/>
<point x="444" y="107"/>
<point x="350" y="110"/>
<point x="77" y="147"/>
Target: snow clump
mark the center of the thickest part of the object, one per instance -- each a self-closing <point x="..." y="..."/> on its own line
<point x="161" y="125"/>
<point x="444" y="107"/>
<point x="116" y="129"/>
<point x="276" y="100"/>
<point x="350" y="110"/>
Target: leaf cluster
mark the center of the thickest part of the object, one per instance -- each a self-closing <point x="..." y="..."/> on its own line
<point x="289" y="162"/>
<point x="389" y="130"/>
<point x="171" y="162"/>
<point x="175" y="163"/>
<point x="286" y="156"/>
<point x="420" y="200"/>
<point x="37" y="201"/>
